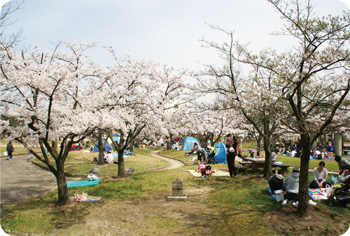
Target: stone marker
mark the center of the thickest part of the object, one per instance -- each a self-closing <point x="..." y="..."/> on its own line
<point x="177" y="191"/>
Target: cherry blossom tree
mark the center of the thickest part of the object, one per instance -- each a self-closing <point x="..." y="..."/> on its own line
<point x="214" y="121"/>
<point x="313" y="76"/>
<point x="252" y="94"/>
<point x="44" y="91"/>
<point x="137" y="93"/>
<point x="173" y="101"/>
<point x="9" y="41"/>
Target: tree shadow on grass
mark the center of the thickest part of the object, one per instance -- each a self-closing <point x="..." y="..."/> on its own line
<point x="74" y="213"/>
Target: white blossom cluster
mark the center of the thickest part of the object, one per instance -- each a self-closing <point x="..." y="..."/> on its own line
<point x="63" y="93"/>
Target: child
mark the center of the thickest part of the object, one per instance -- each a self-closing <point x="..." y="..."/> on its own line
<point x="202" y="165"/>
<point x="208" y="171"/>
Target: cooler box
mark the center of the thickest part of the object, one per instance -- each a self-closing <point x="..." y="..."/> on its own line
<point x="279" y="195"/>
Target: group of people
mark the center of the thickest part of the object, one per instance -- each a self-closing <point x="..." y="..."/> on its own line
<point x="320" y="152"/>
<point x="290" y="186"/>
<point x="320" y="175"/>
<point x="108" y="158"/>
<point x="292" y="151"/>
<point x="203" y="166"/>
<point x="202" y="156"/>
<point x="231" y="152"/>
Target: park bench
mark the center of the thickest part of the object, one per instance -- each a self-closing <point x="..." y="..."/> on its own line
<point x="245" y="163"/>
<point x="283" y="167"/>
<point x="241" y="169"/>
<point x="273" y="169"/>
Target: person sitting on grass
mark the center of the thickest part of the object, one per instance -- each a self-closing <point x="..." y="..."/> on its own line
<point x="292" y="187"/>
<point x="109" y="159"/>
<point x="276" y="182"/>
<point x="341" y="163"/>
<point x="345" y="175"/>
<point x="194" y="149"/>
<point x="320" y="176"/>
<point x="202" y="165"/>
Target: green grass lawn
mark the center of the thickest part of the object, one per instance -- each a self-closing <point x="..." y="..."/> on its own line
<point x="81" y="162"/>
<point x="331" y="164"/>
<point x="238" y="204"/>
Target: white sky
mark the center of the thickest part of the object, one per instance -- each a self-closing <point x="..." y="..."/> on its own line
<point x="166" y="31"/>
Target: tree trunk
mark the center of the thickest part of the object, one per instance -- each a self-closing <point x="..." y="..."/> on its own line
<point x="101" y="149"/>
<point x="121" y="165"/>
<point x="258" y="142"/>
<point x="63" y="197"/>
<point x="132" y="146"/>
<point x="304" y="176"/>
<point x="55" y="145"/>
<point x="268" y="165"/>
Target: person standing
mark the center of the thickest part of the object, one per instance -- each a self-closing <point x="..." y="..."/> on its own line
<point x="229" y="140"/>
<point x="231" y="155"/>
<point x="9" y="149"/>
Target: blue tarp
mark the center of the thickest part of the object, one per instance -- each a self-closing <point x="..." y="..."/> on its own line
<point x="220" y="153"/>
<point x="126" y="153"/>
<point x="82" y="183"/>
<point x="188" y="143"/>
<point x="272" y="194"/>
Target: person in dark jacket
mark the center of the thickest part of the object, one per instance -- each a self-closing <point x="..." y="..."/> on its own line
<point x="9" y="149"/>
<point x="231" y="155"/>
<point x="276" y="182"/>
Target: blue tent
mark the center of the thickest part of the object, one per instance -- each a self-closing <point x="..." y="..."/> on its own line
<point x="188" y="143"/>
<point x="116" y="139"/>
<point x="107" y="146"/>
<point x="220" y="153"/>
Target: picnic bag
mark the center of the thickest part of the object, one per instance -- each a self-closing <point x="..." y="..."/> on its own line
<point x="80" y="197"/>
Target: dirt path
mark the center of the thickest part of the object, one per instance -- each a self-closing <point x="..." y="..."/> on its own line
<point x="173" y="164"/>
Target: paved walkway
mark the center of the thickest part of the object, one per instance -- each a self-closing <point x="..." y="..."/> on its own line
<point x="21" y="180"/>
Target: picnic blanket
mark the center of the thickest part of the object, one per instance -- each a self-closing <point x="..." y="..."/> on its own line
<point x="315" y="193"/>
<point x="217" y="173"/>
<point x="90" y="199"/>
<point x="81" y="183"/>
<point x="318" y="194"/>
<point x="272" y="194"/>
